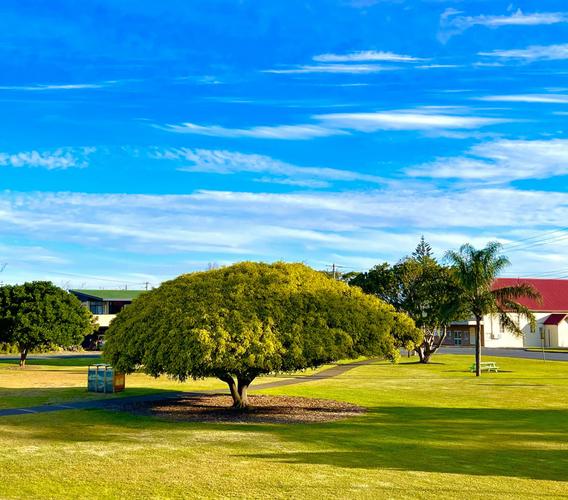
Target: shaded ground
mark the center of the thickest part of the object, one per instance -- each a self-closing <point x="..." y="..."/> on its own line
<point x="263" y="409"/>
<point x="117" y="401"/>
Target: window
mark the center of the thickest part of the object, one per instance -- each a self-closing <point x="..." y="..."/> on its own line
<point x="97" y="307"/>
<point x="457" y="338"/>
<point x="533" y="327"/>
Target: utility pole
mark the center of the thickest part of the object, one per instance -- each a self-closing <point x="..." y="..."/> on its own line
<point x="335" y="269"/>
<point x="146" y="285"/>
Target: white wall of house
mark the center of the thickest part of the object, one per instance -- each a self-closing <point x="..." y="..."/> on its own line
<point x="495" y="336"/>
<point x="104" y="319"/>
<point x="563" y="333"/>
<point x="554" y="336"/>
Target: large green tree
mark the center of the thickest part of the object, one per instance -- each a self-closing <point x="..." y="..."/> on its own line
<point x="420" y="287"/>
<point x="39" y="314"/>
<point x="241" y="321"/>
<point x="475" y="271"/>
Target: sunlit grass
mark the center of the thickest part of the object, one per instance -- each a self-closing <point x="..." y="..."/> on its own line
<point x="430" y="432"/>
<point x="58" y="380"/>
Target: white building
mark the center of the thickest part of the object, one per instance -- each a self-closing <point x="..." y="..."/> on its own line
<point x="551" y="315"/>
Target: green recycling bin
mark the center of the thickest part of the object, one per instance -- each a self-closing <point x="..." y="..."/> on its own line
<point x="104" y="378"/>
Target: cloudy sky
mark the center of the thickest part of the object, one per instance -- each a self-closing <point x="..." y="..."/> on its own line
<point x="144" y="139"/>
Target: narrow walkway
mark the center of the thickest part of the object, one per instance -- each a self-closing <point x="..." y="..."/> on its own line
<point x="506" y="352"/>
<point x="115" y="403"/>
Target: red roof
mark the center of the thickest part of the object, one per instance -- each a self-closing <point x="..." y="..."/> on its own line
<point x="554" y="293"/>
<point x="554" y="319"/>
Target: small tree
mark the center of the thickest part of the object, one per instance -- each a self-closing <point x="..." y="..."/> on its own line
<point x="475" y="272"/>
<point x="423" y="251"/>
<point x="39" y="314"/>
<point x="248" y="319"/>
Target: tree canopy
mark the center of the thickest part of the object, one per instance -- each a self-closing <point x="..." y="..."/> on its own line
<point x="249" y="319"/>
<point x="475" y="271"/>
<point x="420" y="287"/>
<point x="39" y="314"/>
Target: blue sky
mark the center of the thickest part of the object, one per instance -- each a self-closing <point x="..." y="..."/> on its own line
<point x="144" y="139"/>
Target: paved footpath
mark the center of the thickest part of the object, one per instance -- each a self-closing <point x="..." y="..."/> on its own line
<point x="506" y="353"/>
<point x="116" y="403"/>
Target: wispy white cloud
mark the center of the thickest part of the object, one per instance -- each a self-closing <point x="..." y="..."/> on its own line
<point x="361" y="62"/>
<point x="286" y="132"/>
<point x="68" y="86"/>
<point x="366" y="55"/>
<point x="404" y="120"/>
<point x="438" y="66"/>
<point x="61" y="158"/>
<point x="307" y="183"/>
<point x="502" y="161"/>
<point x="28" y="254"/>
<point x="452" y="22"/>
<point x="234" y="221"/>
<point x="529" y="98"/>
<point x="344" y="123"/>
<point x="331" y="68"/>
<point x="228" y="226"/>
<point x="230" y="162"/>
<point x="532" y="53"/>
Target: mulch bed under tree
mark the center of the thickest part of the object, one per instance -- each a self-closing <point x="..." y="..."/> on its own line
<point x="262" y="409"/>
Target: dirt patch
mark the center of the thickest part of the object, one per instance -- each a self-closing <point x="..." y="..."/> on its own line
<point x="263" y="409"/>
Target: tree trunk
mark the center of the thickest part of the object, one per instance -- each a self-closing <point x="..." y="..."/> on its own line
<point x="420" y="351"/>
<point x="239" y="389"/>
<point x="429" y="346"/>
<point x="23" y="356"/>
<point x="477" y="346"/>
<point x="243" y="392"/>
<point x="230" y="381"/>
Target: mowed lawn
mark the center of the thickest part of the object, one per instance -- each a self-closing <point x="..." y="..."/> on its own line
<point x="430" y="431"/>
<point x="59" y="379"/>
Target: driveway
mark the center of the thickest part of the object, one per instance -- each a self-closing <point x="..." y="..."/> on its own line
<point x="506" y="353"/>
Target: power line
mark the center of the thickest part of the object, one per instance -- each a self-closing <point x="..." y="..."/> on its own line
<point x="122" y="282"/>
<point x="535" y="237"/>
<point x="96" y="278"/>
<point x="539" y="243"/>
<point x="535" y="240"/>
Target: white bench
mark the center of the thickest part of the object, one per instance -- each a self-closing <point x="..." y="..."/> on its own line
<point x="485" y="366"/>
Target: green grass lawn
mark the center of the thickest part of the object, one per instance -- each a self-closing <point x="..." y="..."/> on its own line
<point x="55" y="380"/>
<point x="430" y="432"/>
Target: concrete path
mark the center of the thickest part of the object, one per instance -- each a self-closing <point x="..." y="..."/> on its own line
<point x="115" y="403"/>
<point x="506" y="353"/>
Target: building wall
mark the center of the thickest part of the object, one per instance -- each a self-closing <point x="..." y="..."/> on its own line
<point x="461" y="334"/>
<point x="104" y="320"/>
<point x="553" y="336"/>
<point x="563" y="333"/>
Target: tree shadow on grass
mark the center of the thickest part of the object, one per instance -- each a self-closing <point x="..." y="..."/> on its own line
<point x="29" y="398"/>
<point x="518" y="443"/>
<point x="526" y="443"/>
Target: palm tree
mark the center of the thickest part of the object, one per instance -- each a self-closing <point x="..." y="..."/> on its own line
<point x="475" y="272"/>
